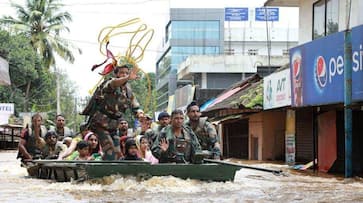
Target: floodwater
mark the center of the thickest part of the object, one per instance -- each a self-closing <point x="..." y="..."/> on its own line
<point x="249" y="186"/>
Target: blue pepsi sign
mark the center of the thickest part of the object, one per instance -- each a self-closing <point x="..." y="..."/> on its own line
<point x="272" y="14"/>
<point x="317" y="70"/>
<point x="236" y="14"/>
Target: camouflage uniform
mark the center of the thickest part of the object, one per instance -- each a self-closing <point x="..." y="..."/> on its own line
<point x="108" y="106"/>
<point x="181" y="149"/>
<point x="207" y="136"/>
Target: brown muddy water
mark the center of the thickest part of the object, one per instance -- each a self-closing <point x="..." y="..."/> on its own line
<point x="249" y="186"/>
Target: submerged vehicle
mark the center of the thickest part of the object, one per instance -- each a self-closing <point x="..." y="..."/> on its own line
<point x="63" y="171"/>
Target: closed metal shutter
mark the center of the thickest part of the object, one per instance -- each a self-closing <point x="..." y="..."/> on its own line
<point x="304" y="135"/>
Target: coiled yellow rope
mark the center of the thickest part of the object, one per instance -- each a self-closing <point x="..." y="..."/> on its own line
<point x="140" y="39"/>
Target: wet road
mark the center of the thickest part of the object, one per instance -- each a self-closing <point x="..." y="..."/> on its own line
<point x="249" y="186"/>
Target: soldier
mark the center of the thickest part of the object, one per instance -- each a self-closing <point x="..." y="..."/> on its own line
<point x="204" y="130"/>
<point x="176" y="142"/>
<point x="164" y="120"/>
<point x="110" y="101"/>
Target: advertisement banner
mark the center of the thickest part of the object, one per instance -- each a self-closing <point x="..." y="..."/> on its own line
<point x="317" y="70"/>
<point x="276" y="88"/>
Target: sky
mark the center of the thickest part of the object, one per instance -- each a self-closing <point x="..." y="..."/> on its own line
<point x="90" y="16"/>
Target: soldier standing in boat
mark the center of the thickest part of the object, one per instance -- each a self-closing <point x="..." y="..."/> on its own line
<point x="110" y="101"/>
<point x="176" y="142"/>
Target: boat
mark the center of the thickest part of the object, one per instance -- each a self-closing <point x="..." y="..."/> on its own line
<point x="64" y="171"/>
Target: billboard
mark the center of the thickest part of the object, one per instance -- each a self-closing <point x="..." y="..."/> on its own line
<point x="317" y="70"/>
<point x="276" y="88"/>
<point x="236" y="14"/>
<point x="6" y="110"/>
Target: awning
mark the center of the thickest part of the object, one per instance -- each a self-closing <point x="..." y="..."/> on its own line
<point x="4" y="72"/>
<point x="245" y="94"/>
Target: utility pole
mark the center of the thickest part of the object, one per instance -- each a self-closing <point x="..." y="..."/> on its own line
<point x="348" y="93"/>
<point x="58" y="90"/>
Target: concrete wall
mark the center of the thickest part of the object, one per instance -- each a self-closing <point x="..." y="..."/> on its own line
<point x="274" y="135"/>
<point x="269" y="128"/>
<point x="255" y="127"/>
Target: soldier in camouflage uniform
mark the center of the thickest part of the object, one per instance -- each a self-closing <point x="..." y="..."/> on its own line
<point x="176" y="142"/>
<point x="204" y="130"/>
<point x="108" y="105"/>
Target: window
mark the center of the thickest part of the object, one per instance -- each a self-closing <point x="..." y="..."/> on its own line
<point x="325" y="18"/>
<point x="194" y="30"/>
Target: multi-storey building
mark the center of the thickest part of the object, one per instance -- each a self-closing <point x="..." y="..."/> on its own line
<point x="232" y="50"/>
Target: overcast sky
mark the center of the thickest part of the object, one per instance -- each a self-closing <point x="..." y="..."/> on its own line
<point x="90" y="16"/>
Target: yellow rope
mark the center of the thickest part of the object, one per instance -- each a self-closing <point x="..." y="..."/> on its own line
<point x="140" y="39"/>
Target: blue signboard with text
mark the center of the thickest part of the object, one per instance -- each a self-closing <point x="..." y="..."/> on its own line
<point x="236" y="14"/>
<point x="271" y="13"/>
<point x="317" y="70"/>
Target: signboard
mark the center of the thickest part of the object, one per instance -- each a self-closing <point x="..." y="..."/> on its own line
<point x="6" y="110"/>
<point x="272" y="14"/>
<point x="290" y="149"/>
<point x="4" y="72"/>
<point x="236" y="14"/>
<point x="317" y="70"/>
<point x="276" y="88"/>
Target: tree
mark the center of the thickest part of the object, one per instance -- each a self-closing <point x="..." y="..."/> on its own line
<point x="43" y="22"/>
<point x="23" y="67"/>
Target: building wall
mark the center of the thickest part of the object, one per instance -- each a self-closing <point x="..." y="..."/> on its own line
<point x="255" y="126"/>
<point x="274" y="135"/>
<point x="306" y="17"/>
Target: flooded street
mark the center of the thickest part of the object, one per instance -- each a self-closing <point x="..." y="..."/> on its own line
<point x="249" y="186"/>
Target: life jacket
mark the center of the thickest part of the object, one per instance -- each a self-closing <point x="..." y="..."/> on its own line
<point x="31" y="146"/>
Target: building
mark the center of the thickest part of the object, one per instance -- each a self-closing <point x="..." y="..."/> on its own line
<point x="221" y="51"/>
<point x="189" y="32"/>
<point x="317" y="67"/>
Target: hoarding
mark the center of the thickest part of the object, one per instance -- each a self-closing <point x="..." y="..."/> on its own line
<point x="276" y="88"/>
<point x="317" y="70"/>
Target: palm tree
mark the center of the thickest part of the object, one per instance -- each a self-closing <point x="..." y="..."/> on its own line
<point x="43" y="21"/>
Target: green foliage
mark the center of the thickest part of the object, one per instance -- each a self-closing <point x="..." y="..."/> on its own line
<point x="146" y="96"/>
<point x="42" y="21"/>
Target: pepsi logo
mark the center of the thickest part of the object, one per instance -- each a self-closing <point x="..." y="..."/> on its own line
<point x="320" y="72"/>
<point x="296" y="68"/>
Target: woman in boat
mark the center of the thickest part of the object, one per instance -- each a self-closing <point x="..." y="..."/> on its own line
<point x="95" y="149"/>
<point x="142" y="143"/>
